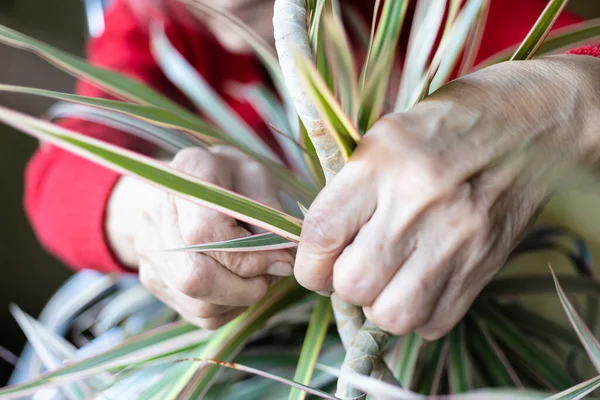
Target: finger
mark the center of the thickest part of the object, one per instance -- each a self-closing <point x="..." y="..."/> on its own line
<point x="384" y="244"/>
<point x="176" y="300"/>
<point x="456" y="299"/>
<point x="201" y="277"/>
<point x="250" y="178"/>
<point x="202" y="225"/>
<point x="332" y="221"/>
<point x="151" y="280"/>
<point x="215" y="322"/>
<point x="488" y="254"/>
<point x="408" y="300"/>
<point x="444" y="237"/>
<point x="197" y="308"/>
<point x="367" y="264"/>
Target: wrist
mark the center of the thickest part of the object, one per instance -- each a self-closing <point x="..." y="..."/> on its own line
<point x="124" y="215"/>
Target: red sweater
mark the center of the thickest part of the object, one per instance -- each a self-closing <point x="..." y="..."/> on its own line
<point x="66" y="196"/>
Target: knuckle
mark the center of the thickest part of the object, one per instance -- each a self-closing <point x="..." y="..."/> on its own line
<point x="205" y="310"/>
<point x="146" y="279"/>
<point x="431" y="333"/>
<point x="312" y="274"/>
<point x="244" y="265"/>
<point x="387" y="319"/>
<point x="474" y="221"/>
<point x="353" y="288"/>
<point x="388" y="125"/>
<point x="261" y="291"/>
<point x="318" y="233"/>
<point x="198" y="162"/>
<point x="307" y="280"/>
<point x="433" y="175"/>
<point x="396" y="320"/>
<point x="211" y="324"/>
<point x="187" y="155"/>
<point x="198" y="283"/>
<point x="253" y="167"/>
<point x="436" y="327"/>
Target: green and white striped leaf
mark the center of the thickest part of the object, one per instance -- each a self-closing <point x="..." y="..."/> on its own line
<point x="157" y="173"/>
<point x="166" y="139"/>
<point x="558" y="41"/>
<point x="192" y="381"/>
<point x="405" y="359"/>
<point x="342" y="65"/>
<point x="261" y="242"/>
<point x="539" y="326"/>
<point x="474" y="41"/>
<point x="115" y="83"/>
<point x="375" y="76"/>
<point x="517" y="286"/>
<point x="385" y="391"/>
<point x="296" y="385"/>
<point x="187" y="79"/>
<point x="311" y="348"/>
<point x="262" y="49"/>
<point x="434" y="364"/>
<point x="424" y="31"/>
<point x="589" y="342"/>
<point x="578" y="392"/>
<point x="270" y="110"/>
<point x="130" y="89"/>
<point x="336" y="121"/>
<point x="149" y="113"/>
<point x="452" y="13"/>
<point x="453" y="43"/>
<point x="540" y="30"/>
<point x="197" y="128"/>
<point x="459" y="374"/>
<point x="164" y="340"/>
<point x="52" y="351"/>
<point x="495" y="365"/>
<point x="539" y="361"/>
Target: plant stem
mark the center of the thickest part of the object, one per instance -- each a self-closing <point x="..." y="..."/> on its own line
<point x="291" y="39"/>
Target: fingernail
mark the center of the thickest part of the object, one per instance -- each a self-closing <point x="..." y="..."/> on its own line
<point x="325" y="293"/>
<point x="280" y="268"/>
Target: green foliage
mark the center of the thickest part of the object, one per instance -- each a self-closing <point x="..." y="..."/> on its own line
<point x="500" y="346"/>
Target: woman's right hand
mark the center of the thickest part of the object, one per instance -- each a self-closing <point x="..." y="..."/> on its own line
<point x="207" y="289"/>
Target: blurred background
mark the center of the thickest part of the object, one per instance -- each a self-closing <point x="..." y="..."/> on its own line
<point x="28" y="276"/>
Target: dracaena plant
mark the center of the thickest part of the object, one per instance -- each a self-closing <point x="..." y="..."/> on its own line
<point x="326" y="105"/>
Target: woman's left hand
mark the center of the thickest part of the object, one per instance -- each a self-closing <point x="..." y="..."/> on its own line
<point x="433" y="201"/>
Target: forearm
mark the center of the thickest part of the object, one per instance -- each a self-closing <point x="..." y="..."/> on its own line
<point x="552" y="102"/>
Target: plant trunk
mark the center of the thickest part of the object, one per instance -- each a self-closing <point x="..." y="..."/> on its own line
<point x="291" y="38"/>
<point x="362" y="340"/>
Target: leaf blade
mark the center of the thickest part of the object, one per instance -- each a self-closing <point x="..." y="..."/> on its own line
<point x="155" y="172"/>
<point x="311" y="348"/>
<point x="589" y="342"/>
<point x="260" y="242"/>
<point x="540" y="30"/>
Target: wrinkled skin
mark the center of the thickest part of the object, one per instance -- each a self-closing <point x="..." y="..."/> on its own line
<point x="424" y="214"/>
<point x="207" y="289"/>
<point x="432" y="202"/>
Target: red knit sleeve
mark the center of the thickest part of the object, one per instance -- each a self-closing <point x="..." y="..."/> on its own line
<point x="593" y="51"/>
<point x="65" y="195"/>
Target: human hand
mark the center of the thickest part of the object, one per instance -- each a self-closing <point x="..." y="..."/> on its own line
<point x="432" y="202"/>
<point x="207" y="289"/>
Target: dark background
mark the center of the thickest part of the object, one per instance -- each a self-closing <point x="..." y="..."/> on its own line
<point x="28" y="276"/>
